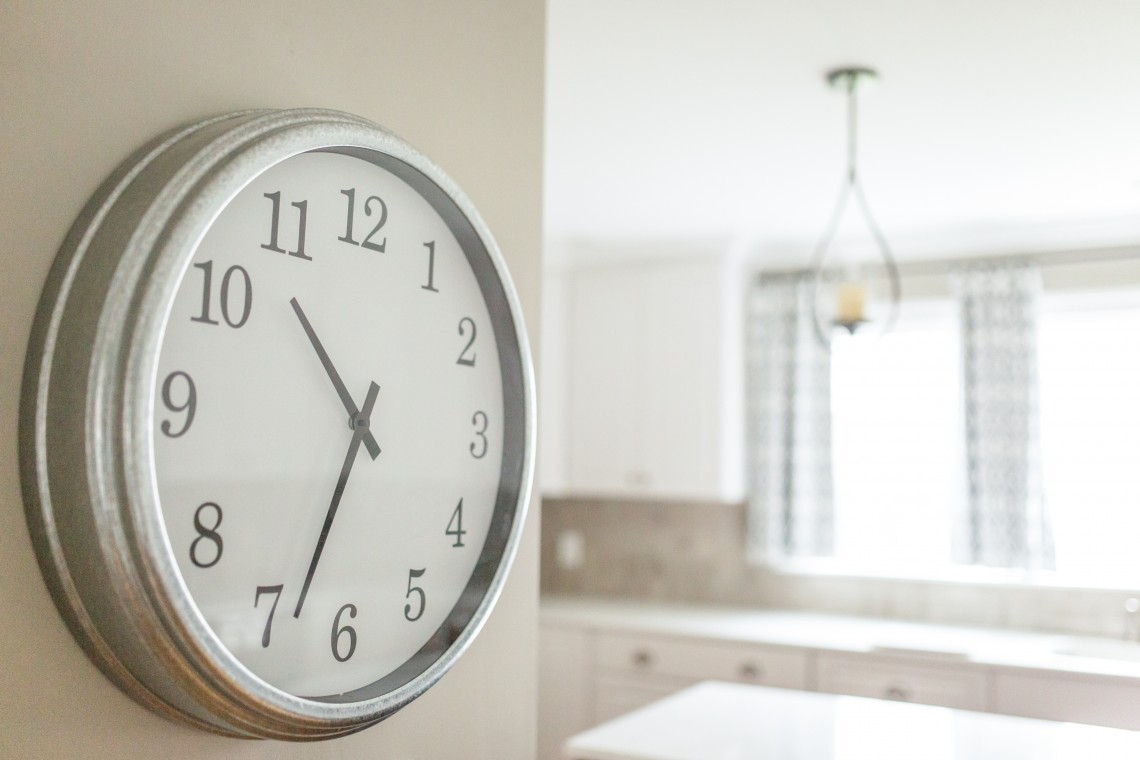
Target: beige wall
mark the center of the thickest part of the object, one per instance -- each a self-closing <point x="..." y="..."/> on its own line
<point x="83" y="84"/>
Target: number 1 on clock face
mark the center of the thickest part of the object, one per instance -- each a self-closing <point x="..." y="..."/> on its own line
<point x="328" y="424"/>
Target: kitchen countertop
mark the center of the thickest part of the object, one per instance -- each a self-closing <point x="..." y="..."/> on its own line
<point x="723" y="721"/>
<point x="835" y="633"/>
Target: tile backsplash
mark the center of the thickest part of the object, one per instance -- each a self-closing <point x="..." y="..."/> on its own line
<point x="693" y="553"/>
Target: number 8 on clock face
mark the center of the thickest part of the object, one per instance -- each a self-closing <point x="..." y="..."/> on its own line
<point x="328" y="423"/>
<point x="277" y="428"/>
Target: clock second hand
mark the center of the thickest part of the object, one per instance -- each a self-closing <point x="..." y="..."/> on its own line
<point x="360" y="424"/>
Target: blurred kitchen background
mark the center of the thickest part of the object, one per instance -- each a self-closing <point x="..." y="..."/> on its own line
<point x="900" y="459"/>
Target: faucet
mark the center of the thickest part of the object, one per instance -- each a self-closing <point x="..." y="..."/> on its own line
<point x="1132" y="619"/>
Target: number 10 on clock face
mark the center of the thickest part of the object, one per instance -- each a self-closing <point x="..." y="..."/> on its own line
<point x="328" y="423"/>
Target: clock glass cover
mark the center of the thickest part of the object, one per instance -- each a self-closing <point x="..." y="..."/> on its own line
<point x="328" y="425"/>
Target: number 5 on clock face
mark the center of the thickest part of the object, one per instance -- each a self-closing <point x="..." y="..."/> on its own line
<point x="328" y="417"/>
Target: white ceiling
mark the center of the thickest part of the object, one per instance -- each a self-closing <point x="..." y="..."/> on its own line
<point x="997" y="124"/>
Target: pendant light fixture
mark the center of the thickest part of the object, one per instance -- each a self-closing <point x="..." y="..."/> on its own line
<point x="851" y="292"/>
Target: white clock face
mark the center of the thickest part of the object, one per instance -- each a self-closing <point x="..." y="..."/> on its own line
<point x="328" y="425"/>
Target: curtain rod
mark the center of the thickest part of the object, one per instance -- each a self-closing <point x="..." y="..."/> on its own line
<point x="1069" y="257"/>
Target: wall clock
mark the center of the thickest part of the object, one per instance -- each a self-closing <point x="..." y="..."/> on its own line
<point x="277" y="424"/>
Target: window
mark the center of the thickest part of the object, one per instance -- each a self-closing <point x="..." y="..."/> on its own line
<point x="898" y="452"/>
<point x="1089" y="349"/>
<point x="897" y="441"/>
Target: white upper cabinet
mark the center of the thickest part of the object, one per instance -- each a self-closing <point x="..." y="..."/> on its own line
<point x="650" y="402"/>
<point x="607" y="375"/>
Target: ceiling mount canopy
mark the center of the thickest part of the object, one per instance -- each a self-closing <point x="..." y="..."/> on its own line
<point x="850" y="295"/>
<point x="850" y="78"/>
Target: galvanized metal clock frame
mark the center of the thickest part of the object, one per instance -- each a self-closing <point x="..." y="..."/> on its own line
<point x="87" y="426"/>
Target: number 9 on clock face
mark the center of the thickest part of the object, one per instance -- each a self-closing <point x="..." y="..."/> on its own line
<point x="328" y="423"/>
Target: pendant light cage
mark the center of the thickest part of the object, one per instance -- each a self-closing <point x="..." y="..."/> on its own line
<point x="849" y="81"/>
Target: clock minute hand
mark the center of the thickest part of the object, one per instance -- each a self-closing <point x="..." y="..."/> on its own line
<point x="342" y="391"/>
<point x="360" y="425"/>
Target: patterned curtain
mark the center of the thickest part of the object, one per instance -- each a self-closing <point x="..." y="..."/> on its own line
<point x="1003" y="522"/>
<point x="789" y="423"/>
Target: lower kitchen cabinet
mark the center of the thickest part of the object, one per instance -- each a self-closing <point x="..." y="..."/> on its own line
<point x="593" y="670"/>
<point x="589" y="676"/>
<point x="565" y="686"/>
<point x="636" y="669"/>
<point x="639" y="656"/>
<point x="1100" y="700"/>
<point x="904" y="679"/>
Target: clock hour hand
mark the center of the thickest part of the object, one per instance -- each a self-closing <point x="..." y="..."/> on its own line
<point x="349" y="405"/>
<point x="359" y="430"/>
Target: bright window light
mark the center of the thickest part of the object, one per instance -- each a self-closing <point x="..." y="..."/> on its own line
<point x="897" y="441"/>
<point x="1090" y="430"/>
<point x="898" y="450"/>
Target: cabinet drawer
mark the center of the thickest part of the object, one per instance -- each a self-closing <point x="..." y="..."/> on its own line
<point x="1075" y="699"/>
<point x="702" y="659"/>
<point x="905" y="680"/>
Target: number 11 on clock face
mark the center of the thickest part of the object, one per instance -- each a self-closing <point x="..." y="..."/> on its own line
<point x="328" y="423"/>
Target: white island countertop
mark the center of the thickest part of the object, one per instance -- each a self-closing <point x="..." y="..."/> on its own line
<point x="727" y="721"/>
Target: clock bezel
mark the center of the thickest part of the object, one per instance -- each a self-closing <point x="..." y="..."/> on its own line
<point x="98" y="529"/>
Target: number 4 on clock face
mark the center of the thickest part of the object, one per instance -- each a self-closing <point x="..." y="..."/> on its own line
<point x="455" y="526"/>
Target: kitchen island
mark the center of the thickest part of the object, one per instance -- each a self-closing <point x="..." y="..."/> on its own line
<point x="732" y="721"/>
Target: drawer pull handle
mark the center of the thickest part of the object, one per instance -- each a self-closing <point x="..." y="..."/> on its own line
<point x="751" y="672"/>
<point x="642" y="658"/>
<point x="898" y="693"/>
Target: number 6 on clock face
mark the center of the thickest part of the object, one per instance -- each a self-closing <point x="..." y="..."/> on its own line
<point x="329" y="388"/>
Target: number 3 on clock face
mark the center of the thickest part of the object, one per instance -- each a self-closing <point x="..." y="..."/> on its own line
<point x="328" y="391"/>
<point x="277" y="426"/>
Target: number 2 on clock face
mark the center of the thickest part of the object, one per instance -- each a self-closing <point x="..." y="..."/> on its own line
<point x="327" y="442"/>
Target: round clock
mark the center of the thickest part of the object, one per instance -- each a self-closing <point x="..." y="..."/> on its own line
<point x="278" y="424"/>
